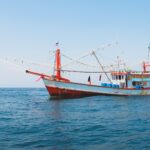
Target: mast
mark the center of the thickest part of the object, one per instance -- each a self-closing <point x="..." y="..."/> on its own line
<point x="57" y="63"/>
<point x="148" y="52"/>
<point x="145" y="65"/>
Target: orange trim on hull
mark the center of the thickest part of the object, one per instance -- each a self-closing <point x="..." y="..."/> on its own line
<point x="65" y="93"/>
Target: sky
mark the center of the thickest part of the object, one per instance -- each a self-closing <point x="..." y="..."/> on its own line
<point x="29" y="30"/>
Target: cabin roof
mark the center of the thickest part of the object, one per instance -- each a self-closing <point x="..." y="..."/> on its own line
<point x="132" y="73"/>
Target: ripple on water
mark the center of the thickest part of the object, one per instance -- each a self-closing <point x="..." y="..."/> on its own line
<point x="29" y="120"/>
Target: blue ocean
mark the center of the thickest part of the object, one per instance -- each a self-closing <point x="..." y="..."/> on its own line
<point x="30" y="120"/>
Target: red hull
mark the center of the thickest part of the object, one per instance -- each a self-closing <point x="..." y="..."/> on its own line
<point x="65" y="93"/>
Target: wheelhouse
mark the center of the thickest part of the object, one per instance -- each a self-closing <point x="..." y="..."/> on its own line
<point x="139" y="80"/>
<point x="119" y="78"/>
<point x="136" y="80"/>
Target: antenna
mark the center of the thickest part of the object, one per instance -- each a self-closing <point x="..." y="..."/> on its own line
<point x="57" y="44"/>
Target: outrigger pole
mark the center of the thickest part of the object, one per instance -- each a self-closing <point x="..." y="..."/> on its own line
<point x="79" y="71"/>
<point x="101" y="66"/>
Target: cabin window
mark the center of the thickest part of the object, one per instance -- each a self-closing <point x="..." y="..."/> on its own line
<point x="113" y="77"/>
<point x="119" y="77"/>
<point x="116" y="77"/>
<point x="135" y="83"/>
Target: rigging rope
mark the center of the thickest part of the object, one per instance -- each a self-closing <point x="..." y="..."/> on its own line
<point x="16" y="66"/>
<point x="85" y="64"/>
<point x="90" y="53"/>
<point x="23" y="62"/>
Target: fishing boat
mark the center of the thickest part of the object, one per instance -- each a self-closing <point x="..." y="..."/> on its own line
<point x="120" y="83"/>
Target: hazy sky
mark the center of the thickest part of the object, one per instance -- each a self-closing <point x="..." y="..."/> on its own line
<point x="29" y="30"/>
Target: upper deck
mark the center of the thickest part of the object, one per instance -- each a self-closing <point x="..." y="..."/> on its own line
<point x="131" y="79"/>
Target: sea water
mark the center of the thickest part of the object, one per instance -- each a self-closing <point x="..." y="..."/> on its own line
<point x="29" y="119"/>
